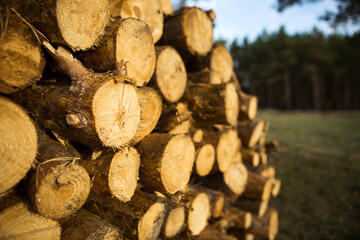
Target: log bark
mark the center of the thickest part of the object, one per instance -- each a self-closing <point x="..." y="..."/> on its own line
<point x="250" y="156"/>
<point x="127" y="43"/>
<point x="17" y="222"/>
<point x="170" y="73"/>
<point x="151" y="108"/>
<point x="79" y="25"/>
<point x="266" y="171"/>
<point x="18" y="141"/>
<point x="210" y="233"/>
<point x="241" y="234"/>
<point x="218" y="60"/>
<point x="267" y="226"/>
<point x="250" y="132"/>
<point x="167" y="161"/>
<point x="84" y="225"/>
<point x="248" y="106"/>
<point x="172" y="116"/>
<point x="115" y="173"/>
<point x="234" y="218"/>
<point x="190" y="31"/>
<point x="99" y="111"/>
<point x="257" y="207"/>
<point x="58" y="186"/>
<point x="21" y="59"/>
<point x="258" y="187"/>
<point x="271" y="147"/>
<point x="204" y="159"/>
<point x="140" y="218"/>
<point x="213" y="104"/>
<point x="149" y="12"/>
<point x="206" y="76"/>
<point x="211" y="14"/>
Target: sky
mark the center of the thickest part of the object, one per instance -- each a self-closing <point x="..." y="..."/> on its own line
<point x="237" y="19"/>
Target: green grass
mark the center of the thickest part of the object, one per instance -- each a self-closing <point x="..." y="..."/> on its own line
<point x="319" y="165"/>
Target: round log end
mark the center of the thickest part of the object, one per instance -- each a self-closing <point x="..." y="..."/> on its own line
<point x="199" y="31"/>
<point x="177" y="162"/>
<point x="85" y="25"/>
<point x="247" y="220"/>
<point x="236" y="177"/>
<point x="148" y="11"/>
<point x="228" y="146"/>
<point x="218" y="206"/>
<point x="150" y="224"/>
<point x="175" y="222"/>
<point x="18" y="141"/>
<point x="231" y="104"/>
<point x="221" y="61"/>
<point x="198" y="136"/>
<point x="182" y="128"/>
<point x="256" y="159"/>
<point x="21" y="58"/>
<point x="17" y="222"/>
<point x="135" y="45"/>
<point x="124" y="173"/>
<point x="198" y="214"/>
<point x="266" y="194"/>
<point x="170" y="73"/>
<point x="256" y="133"/>
<point x="63" y="191"/>
<point x="262" y="208"/>
<point x="116" y="112"/>
<point x="205" y="159"/>
<point x="252" y="108"/>
<point x="276" y="188"/>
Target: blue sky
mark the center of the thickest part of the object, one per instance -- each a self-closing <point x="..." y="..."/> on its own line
<point x="248" y="18"/>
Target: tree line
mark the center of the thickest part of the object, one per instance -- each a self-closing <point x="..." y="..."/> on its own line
<point x="303" y="71"/>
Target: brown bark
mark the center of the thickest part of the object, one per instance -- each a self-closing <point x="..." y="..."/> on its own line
<point x="257" y="207"/>
<point x="148" y="11"/>
<point x="250" y="156"/>
<point x="151" y="109"/>
<point x="190" y="31"/>
<point x="172" y="116"/>
<point x="206" y="76"/>
<point x="127" y="43"/>
<point x="58" y="186"/>
<point x="211" y="14"/>
<point x="266" y="171"/>
<point x="84" y="225"/>
<point x="267" y="226"/>
<point x="21" y="59"/>
<point x="115" y="173"/>
<point x="79" y="25"/>
<point x="234" y="218"/>
<point x="18" y="222"/>
<point x="170" y="73"/>
<point x="213" y="104"/>
<point x="210" y="233"/>
<point x="258" y="187"/>
<point x="140" y="218"/>
<point x="167" y="161"/>
<point x="18" y="141"/>
<point x="250" y="132"/>
<point x="271" y="147"/>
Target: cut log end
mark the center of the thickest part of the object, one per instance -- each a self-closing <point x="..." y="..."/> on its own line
<point x="135" y="45"/>
<point x="175" y="222"/>
<point x="18" y="141"/>
<point x="218" y="206"/>
<point x="17" y="222"/>
<point x="170" y="73"/>
<point x="123" y="174"/>
<point x="231" y="104"/>
<point x="79" y="33"/>
<point x="166" y="7"/>
<point x="182" y="128"/>
<point x="221" y="61"/>
<point x="276" y="188"/>
<point x="198" y="214"/>
<point x="198" y="136"/>
<point x="21" y="58"/>
<point x="252" y="108"/>
<point x="116" y="111"/>
<point x="150" y="224"/>
<point x="63" y="191"/>
<point x="198" y="31"/>
<point x="236" y="177"/>
<point x="177" y="162"/>
<point x="256" y="134"/>
<point x="205" y="159"/>
<point x="149" y="12"/>
<point x="226" y="149"/>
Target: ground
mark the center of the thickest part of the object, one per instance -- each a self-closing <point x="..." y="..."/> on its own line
<point x="319" y="165"/>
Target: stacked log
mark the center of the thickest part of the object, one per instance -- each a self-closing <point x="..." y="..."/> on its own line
<point x="122" y="138"/>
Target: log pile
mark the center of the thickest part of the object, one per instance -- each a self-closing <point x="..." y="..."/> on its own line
<point x="135" y="128"/>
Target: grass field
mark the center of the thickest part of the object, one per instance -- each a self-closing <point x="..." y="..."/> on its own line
<point x="319" y="165"/>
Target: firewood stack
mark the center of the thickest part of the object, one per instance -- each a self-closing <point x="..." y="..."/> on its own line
<point x="135" y="128"/>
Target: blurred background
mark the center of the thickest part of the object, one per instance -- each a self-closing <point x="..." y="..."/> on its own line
<point x="302" y="59"/>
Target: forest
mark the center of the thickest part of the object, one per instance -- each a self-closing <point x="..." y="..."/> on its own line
<point x="307" y="71"/>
